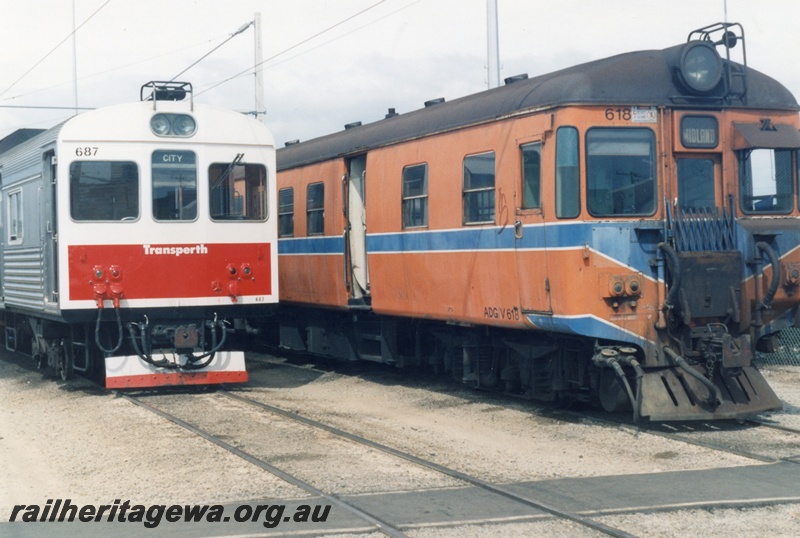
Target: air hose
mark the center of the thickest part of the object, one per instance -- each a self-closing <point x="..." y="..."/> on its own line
<point x="766" y="302"/>
<point x="610" y="358"/>
<point x="633" y="363"/>
<point x="674" y="263"/>
<point x="714" y="394"/>
<point x="97" y="332"/>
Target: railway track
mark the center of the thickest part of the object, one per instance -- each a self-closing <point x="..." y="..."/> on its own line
<point x="382" y="526"/>
<point x="379" y="521"/>
<point x="755" y="439"/>
<point x="227" y="406"/>
<point x="779" y="427"/>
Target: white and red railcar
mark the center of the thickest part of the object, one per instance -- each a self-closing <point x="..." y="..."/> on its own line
<point x="139" y="236"/>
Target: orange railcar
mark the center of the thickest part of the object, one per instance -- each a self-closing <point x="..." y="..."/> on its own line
<point x="623" y="232"/>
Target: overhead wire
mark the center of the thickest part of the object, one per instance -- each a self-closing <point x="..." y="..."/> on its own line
<point x="42" y="107"/>
<point x="332" y="39"/>
<point x="117" y="68"/>
<point x="55" y="48"/>
<point x="230" y="36"/>
<point x="237" y="32"/>
<point x="328" y="29"/>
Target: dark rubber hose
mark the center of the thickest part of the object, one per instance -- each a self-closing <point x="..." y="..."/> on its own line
<point x="766" y="303"/>
<point x="675" y="269"/>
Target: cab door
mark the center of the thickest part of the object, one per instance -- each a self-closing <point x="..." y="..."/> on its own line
<point x="49" y="225"/>
<point x="529" y="232"/>
<point x="699" y="182"/>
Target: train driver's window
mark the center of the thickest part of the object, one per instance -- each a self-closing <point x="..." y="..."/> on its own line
<point x="568" y="193"/>
<point x="531" y="175"/>
<point x="238" y="191"/>
<point x="315" y="209"/>
<point x="103" y="191"/>
<point x="620" y="171"/>
<point x="696" y="184"/>
<point x="765" y="181"/>
<point x="174" y="185"/>
<point x="415" y="196"/>
<point x="286" y="212"/>
<point x="478" y="194"/>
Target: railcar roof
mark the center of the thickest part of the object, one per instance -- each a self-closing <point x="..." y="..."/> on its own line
<point x="17" y="137"/>
<point x="643" y="78"/>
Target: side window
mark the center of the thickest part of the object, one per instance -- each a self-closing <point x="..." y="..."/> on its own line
<point x="315" y="209"/>
<point x="479" y="188"/>
<point x="531" y="175"/>
<point x="415" y="196"/>
<point x="568" y="192"/>
<point x="15" y="217"/>
<point x="238" y="191"/>
<point x="620" y="171"/>
<point x="103" y="191"/>
<point x="696" y="184"/>
<point x="286" y="212"/>
<point x="174" y="185"/>
<point x="765" y="181"/>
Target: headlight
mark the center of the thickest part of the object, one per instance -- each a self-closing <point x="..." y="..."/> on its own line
<point x="160" y="125"/>
<point x="184" y="125"/>
<point x="178" y="125"/>
<point x="701" y="66"/>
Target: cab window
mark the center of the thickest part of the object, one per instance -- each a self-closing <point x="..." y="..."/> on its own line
<point x="174" y="185"/>
<point x="238" y="191"/>
<point x="620" y="172"/>
<point x="765" y="181"/>
<point x="568" y="190"/>
<point x="696" y="184"/>
<point x="103" y="191"/>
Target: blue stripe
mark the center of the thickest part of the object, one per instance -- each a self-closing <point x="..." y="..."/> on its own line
<point x="469" y="239"/>
<point x="629" y="243"/>
<point x="311" y="245"/>
<point x="587" y="326"/>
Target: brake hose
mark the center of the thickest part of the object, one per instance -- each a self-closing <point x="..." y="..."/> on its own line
<point x="766" y="302"/>
<point x="97" y="332"/>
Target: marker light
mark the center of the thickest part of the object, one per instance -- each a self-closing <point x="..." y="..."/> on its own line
<point x="701" y="66"/>
<point x="178" y="125"/>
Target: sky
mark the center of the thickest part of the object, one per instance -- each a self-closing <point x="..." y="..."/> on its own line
<point x="329" y="63"/>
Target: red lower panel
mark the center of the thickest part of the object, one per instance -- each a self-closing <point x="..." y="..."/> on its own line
<point x="169" y="270"/>
<point x="175" y="379"/>
<point x="129" y="371"/>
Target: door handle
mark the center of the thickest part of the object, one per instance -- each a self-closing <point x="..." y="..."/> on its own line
<point x="518" y="229"/>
